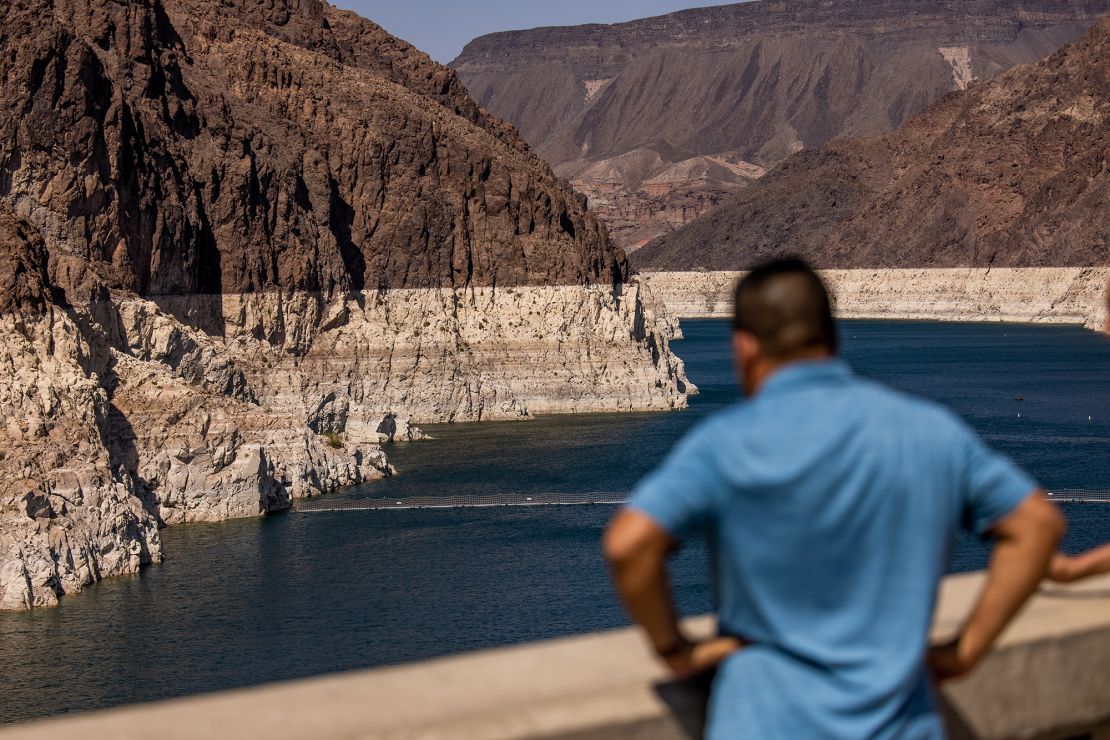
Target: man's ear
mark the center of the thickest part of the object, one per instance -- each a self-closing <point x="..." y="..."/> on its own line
<point x="744" y="346"/>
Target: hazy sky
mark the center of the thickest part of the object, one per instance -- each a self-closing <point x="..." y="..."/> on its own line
<point x="442" y="27"/>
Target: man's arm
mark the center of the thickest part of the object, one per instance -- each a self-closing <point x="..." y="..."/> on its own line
<point x="1071" y="568"/>
<point x="1024" y="543"/>
<point x="637" y="550"/>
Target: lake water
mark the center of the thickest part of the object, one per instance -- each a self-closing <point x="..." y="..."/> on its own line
<point x="296" y="595"/>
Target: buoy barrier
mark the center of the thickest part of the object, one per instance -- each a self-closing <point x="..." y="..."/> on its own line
<point x="496" y="500"/>
<point x="477" y="501"/>
<point x="1079" y="496"/>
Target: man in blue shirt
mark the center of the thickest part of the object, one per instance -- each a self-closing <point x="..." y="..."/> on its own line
<point x="831" y="503"/>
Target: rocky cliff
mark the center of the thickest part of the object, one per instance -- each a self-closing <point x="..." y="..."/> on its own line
<point x="244" y="243"/>
<point x="660" y="119"/>
<point x="1012" y="172"/>
<point x="1034" y="295"/>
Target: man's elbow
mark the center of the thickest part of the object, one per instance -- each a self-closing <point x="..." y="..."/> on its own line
<point x="1046" y="517"/>
<point x="1036" y="522"/>
<point x="618" y="548"/>
<point x="633" y="537"/>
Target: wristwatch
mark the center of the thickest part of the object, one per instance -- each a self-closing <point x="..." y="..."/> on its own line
<point x="680" y="644"/>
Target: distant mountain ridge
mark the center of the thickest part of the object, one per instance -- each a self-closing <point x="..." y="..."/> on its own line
<point x="660" y="119"/>
<point x="1012" y="172"/>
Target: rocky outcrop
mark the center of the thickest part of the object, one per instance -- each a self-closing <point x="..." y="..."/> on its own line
<point x="653" y="117"/>
<point x="362" y="365"/>
<point x="1013" y="172"/>
<point x="109" y="439"/>
<point x="1048" y="295"/>
<point x="181" y="147"/>
<point x="248" y="243"/>
<point x="641" y="194"/>
<point x="68" y="516"/>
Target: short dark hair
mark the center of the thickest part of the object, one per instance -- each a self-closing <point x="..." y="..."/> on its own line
<point x="786" y="306"/>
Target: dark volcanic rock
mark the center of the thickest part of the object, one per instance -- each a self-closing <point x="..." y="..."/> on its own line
<point x="24" y="283"/>
<point x="1014" y="172"/>
<point x="189" y="146"/>
<point x="242" y="243"/>
<point x="632" y="113"/>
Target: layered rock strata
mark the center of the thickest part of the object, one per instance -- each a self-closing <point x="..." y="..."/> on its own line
<point x="250" y="242"/>
<point x="368" y="362"/>
<point x="68" y="516"/>
<point x="1014" y="172"/>
<point x="642" y="194"/>
<point x="122" y="421"/>
<point x="659" y="119"/>
<point x="1063" y="295"/>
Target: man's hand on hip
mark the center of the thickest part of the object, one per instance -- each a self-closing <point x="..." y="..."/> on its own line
<point x="692" y="658"/>
<point x="947" y="662"/>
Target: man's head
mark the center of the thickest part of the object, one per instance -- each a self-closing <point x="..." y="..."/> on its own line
<point x="783" y="314"/>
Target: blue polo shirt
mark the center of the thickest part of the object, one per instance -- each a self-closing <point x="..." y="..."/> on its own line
<point x="831" y="503"/>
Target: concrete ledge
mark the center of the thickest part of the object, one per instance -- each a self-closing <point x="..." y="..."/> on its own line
<point x="1049" y="678"/>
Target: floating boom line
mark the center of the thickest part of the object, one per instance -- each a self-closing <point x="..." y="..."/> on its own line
<point x="499" y="500"/>
<point x="1079" y="496"/>
<point x="475" y="501"/>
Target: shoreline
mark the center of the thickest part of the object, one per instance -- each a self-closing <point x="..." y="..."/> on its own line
<point x="190" y="408"/>
<point x="1023" y="295"/>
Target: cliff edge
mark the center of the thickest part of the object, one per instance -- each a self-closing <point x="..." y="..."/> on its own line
<point x="248" y="242"/>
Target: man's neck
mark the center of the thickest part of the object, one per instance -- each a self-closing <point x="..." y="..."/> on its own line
<point x="766" y="368"/>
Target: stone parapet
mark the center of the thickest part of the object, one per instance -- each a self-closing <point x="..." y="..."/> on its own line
<point x="1047" y="680"/>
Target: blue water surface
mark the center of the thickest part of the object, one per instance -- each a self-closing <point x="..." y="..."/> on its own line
<point x="297" y="595"/>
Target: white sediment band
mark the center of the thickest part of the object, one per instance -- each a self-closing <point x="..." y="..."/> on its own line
<point x="205" y="408"/>
<point x="443" y="355"/>
<point x="1050" y="295"/>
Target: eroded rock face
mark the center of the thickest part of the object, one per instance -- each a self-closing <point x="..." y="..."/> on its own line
<point x="67" y="516"/>
<point x="247" y="243"/>
<point x="687" y="108"/>
<point x="406" y="357"/>
<point x="184" y="146"/>
<point x="1037" y="295"/>
<point x="202" y="457"/>
<point x="106" y="441"/>
<point x="1013" y="172"/>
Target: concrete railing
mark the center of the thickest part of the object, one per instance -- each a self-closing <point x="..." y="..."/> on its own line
<point x="1049" y="678"/>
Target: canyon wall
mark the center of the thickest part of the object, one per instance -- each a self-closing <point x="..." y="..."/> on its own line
<point x="243" y="244"/>
<point x="1014" y="172"/>
<point x="660" y="119"/>
<point x="1062" y="295"/>
<point x="374" y="363"/>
